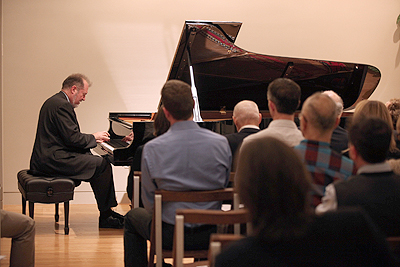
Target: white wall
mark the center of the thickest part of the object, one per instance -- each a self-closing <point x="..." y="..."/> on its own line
<point x="126" y="47"/>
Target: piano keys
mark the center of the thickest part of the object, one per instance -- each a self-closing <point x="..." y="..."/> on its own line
<point x="122" y="124"/>
<point x="223" y="74"/>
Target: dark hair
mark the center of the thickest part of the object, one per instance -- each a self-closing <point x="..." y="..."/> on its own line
<point x="161" y="124"/>
<point x="75" y="79"/>
<point x="371" y="138"/>
<point x="176" y="97"/>
<point x="285" y="94"/>
<point x="274" y="185"/>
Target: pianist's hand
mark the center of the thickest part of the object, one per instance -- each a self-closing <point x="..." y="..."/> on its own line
<point x="128" y="137"/>
<point x="101" y="136"/>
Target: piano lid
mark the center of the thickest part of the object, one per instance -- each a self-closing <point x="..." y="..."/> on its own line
<point x="225" y="74"/>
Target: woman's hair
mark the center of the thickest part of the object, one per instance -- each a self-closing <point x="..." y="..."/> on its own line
<point x="274" y="185"/>
<point x="161" y="124"/>
<point x="373" y="108"/>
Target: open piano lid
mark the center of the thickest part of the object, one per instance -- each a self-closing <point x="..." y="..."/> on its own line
<point x="225" y="74"/>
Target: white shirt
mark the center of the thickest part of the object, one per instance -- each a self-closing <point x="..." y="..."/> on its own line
<point x="329" y="200"/>
<point x="284" y="130"/>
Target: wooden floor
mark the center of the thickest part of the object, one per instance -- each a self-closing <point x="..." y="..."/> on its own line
<point x="86" y="245"/>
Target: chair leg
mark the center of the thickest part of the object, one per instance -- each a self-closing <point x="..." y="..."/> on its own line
<point x="31" y="209"/>
<point x="66" y="215"/>
<point x="23" y="205"/>
<point x="57" y="216"/>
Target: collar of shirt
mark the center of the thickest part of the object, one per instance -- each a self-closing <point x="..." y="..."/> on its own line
<point x="184" y="125"/>
<point x="249" y="126"/>
<point x="283" y="123"/>
<point x="316" y="143"/>
<point x="374" y="168"/>
<point x="65" y="96"/>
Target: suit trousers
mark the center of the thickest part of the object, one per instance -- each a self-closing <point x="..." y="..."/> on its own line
<point x="21" y="229"/>
<point x="102" y="183"/>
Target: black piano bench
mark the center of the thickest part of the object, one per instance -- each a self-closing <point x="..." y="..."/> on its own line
<point x="42" y="189"/>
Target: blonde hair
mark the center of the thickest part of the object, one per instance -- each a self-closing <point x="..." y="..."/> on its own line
<point x="373" y="108"/>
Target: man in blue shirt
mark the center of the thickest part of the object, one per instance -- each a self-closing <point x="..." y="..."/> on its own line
<point x="184" y="158"/>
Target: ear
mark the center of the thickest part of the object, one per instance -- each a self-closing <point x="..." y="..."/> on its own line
<point x="74" y="89"/>
<point x="166" y="112"/>
<point x="353" y="152"/>
<point x="260" y="118"/>
<point x="271" y="106"/>
<point x="303" y="125"/>
<point x="337" y="121"/>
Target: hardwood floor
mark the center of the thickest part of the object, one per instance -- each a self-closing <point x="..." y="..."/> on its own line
<point x="86" y="245"/>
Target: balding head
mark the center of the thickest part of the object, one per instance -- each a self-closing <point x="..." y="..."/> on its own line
<point x="337" y="99"/>
<point x="246" y="113"/>
<point x="319" y="114"/>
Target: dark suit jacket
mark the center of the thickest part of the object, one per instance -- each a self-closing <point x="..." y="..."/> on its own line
<point x="60" y="148"/>
<point x="345" y="238"/>
<point x="339" y="140"/>
<point x="378" y="194"/>
<point x="236" y="139"/>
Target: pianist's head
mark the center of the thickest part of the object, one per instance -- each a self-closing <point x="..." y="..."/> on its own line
<point x="76" y="87"/>
<point x="176" y="97"/>
<point x="274" y="185"/>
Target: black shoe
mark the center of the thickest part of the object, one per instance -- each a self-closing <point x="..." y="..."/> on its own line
<point x="110" y="222"/>
<point x="118" y="216"/>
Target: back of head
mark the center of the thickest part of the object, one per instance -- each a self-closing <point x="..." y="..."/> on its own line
<point x="337" y="99"/>
<point x="320" y="111"/>
<point x="75" y="79"/>
<point x="274" y="185"/>
<point x="285" y="94"/>
<point x="374" y="108"/>
<point x="394" y="109"/>
<point x="246" y="113"/>
<point x="176" y="97"/>
<point x="371" y="138"/>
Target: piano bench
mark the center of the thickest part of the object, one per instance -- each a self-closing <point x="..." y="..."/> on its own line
<point x="49" y="190"/>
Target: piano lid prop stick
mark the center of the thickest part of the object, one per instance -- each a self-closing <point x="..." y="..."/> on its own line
<point x="196" y="109"/>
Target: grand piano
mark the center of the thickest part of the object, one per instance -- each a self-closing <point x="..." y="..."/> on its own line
<point x="222" y="74"/>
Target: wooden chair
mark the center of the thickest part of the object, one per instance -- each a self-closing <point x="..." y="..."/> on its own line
<point x="217" y="217"/>
<point x="179" y="196"/>
<point x="137" y="176"/>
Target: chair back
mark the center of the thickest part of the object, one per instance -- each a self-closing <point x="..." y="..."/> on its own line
<point x="217" y="217"/>
<point x="178" y="196"/>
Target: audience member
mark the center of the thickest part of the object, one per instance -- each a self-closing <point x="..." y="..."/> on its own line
<point x="186" y="157"/>
<point x="318" y="119"/>
<point x="161" y="125"/>
<point x="339" y="141"/>
<point x="61" y="150"/>
<point x="393" y="105"/>
<point x="274" y="187"/>
<point x="283" y="100"/>
<point x="247" y="119"/>
<point x="374" y="108"/>
<point x="395" y="163"/>
<point x="375" y="187"/>
<point x="21" y="229"/>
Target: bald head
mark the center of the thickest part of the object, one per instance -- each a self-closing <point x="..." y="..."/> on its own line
<point x="337" y="99"/>
<point x="320" y="113"/>
<point x="246" y="113"/>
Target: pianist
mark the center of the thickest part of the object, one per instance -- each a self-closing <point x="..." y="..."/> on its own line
<point x="61" y="150"/>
